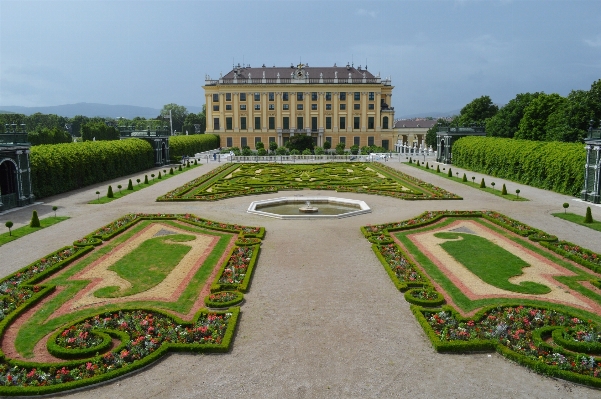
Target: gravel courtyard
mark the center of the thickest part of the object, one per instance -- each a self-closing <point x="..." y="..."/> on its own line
<point x="322" y="318"/>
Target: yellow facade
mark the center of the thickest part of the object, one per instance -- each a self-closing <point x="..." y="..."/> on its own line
<point x="267" y="104"/>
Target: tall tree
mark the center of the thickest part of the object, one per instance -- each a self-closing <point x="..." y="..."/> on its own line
<point x="178" y="115"/>
<point x="431" y="133"/>
<point x="477" y="111"/>
<point x="505" y="123"/>
<point x="195" y="119"/>
<point x="533" y="125"/>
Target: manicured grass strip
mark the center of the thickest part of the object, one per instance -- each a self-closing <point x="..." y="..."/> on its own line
<point x="473" y="184"/>
<point x="491" y="263"/>
<point x="139" y="186"/>
<point x="25" y="230"/>
<point x="578" y="219"/>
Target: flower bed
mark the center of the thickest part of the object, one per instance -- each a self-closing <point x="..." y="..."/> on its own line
<point x="223" y="299"/>
<point x="237" y="269"/>
<point x="425" y="296"/>
<point x="401" y="270"/>
<point x="582" y="256"/>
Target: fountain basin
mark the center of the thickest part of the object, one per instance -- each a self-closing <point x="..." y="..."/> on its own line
<point x="321" y="207"/>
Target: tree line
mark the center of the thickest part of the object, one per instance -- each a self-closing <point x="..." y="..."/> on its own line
<point x="533" y="116"/>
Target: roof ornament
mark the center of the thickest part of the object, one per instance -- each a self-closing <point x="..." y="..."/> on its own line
<point x="320" y="75"/>
<point x="278" y="75"/>
<point x="363" y="75"/>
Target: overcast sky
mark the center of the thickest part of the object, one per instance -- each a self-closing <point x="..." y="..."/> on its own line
<point x="440" y="54"/>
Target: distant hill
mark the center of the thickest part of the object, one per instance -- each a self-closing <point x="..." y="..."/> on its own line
<point x="91" y="110"/>
<point x="434" y="115"/>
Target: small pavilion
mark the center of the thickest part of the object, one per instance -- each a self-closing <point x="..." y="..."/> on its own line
<point x="15" y="171"/>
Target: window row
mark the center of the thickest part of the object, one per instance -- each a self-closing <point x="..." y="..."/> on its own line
<point x="286" y="107"/>
<point x="299" y="123"/>
<point x="299" y="96"/>
<point x="229" y="141"/>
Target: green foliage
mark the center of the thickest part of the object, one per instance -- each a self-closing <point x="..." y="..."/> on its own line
<point x="99" y="131"/>
<point x="170" y="171"/>
<point x="196" y="119"/>
<point x="587" y="219"/>
<point x="464" y="179"/>
<point x="262" y="152"/>
<point x="482" y="184"/>
<point x="179" y="169"/>
<point x="46" y="135"/>
<point x="9" y="225"/>
<point x="306" y="151"/>
<point x="159" y="176"/>
<point x="246" y="151"/>
<point x="130" y="185"/>
<point x="318" y="150"/>
<point x="534" y="123"/>
<point x="548" y="165"/>
<point x="273" y="146"/>
<point x="146" y="178"/>
<point x="35" y="221"/>
<point x="505" y="123"/>
<point x="354" y="149"/>
<point x="294" y="152"/>
<point x="450" y="173"/>
<point x="340" y="148"/>
<point x="300" y="142"/>
<point x="281" y="151"/>
<point x="327" y="145"/>
<point x="427" y="167"/>
<point x="178" y="115"/>
<point x="189" y="145"/>
<point x="477" y="111"/>
<point x="259" y="145"/>
<point x="504" y="190"/>
<point x="565" y="207"/>
<point x="437" y="168"/>
<point x="109" y="192"/>
<point x="59" y="168"/>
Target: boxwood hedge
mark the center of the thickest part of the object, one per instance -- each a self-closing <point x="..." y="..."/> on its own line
<point x="552" y="166"/>
<point x="190" y="145"/>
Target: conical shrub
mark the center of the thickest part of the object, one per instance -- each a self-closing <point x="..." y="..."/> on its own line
<point x="130" y="185"/>
<point x="35" y="221"/>
<point x="504" y="191"/>
<point x="427" y="167"/>
<point x="160" y="177"/>
<point x="437" y="168"/>
<point x="587" y="219"/>
<point x="450" y="174"/>
<point x="180" y="168"/>
<point x="482" y="184"/>
<point x="109" y="193"/>
<point x="464" y="178"/>
<point x="145" y="179"/>
<point x="170" y="171"/>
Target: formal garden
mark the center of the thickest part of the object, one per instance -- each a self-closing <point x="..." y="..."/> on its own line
<point x="121" y="297"/>
<point x="233" y="180"/>
<point x="480" y="281"/>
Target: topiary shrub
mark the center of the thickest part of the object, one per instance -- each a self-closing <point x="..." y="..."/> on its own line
<point x="587" y="219"/>
<point x="160" y="176"/>
<point x="109" y="193"/>
<point x="9" y="224"/>
<point x="410" y="161"/>
<point x="180" y="168"/>
<point x="464" y="178"/>
<point x="35" y="221"/>
<point x="170" y="171"/>
<point x="450" y="174"/>
<point x="130" y="185"/>
<point x="437" y="168"/>
<point x="565" y="207"/>
<point x="504" y="191"/>
<point x="145" y="179"/>
<point x="482" y="184"/>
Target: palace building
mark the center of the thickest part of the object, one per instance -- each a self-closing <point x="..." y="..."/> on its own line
<point x="271" y="104"/>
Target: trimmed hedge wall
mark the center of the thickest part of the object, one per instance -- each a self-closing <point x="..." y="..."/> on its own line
<point x="58" y="168"/>
<point x="190" y="145"/>
<point x="552" y="165"/>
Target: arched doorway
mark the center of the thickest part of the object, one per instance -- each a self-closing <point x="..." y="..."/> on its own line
<point x="8" y="183"/>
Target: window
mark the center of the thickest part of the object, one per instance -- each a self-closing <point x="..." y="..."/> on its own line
<point x="271" y="107"/>
<point x="243" y="142"/>
<point x="328" y="107"/>
<point x="299" y="122"/>
<point x="314" y="107"/>
<point x="257" y="96"/>
<point x="271" y="96"/>
<point x="285" y="107"/>
<point x="243" y="107"/>
<point x="370" y="122"/>
<point x="385" y="122"/>
<point x="215" y="107"/>
<point x="342" y="96"/>
<point x="299" y="107"/>
<point x="356" y="140"/>
<point x="243" y="122"/>
<point x="272" y="139"/>
<point x="216" y="123"/>
<point x="228" y="96"/>
<point x="257" y="140"/>
<point x="286" y="122"/>
<point x="371" y="96"/>
<point x="328" y="96"/>
<point x="371" y="106"/>
<point x="299" y="96"/>
<point x="328" y="122"/>
<point x="313" y="123"/>
<point x="314" y="96"/>
<point x="229" y="142"/>
<point x="342" y="122"/>
<point x="257" y="122"/>
<point x="257" y="107"/>
<point x="357" y="96"/>
<point x="357" y="122"/>
<point x="385" y="144"/>
<point x="329" y="140"/>
<point x="272" y="122"/>
<point x="242" y="96"/>
<point x="285" y="96"/>
<point x="215" y="98"/>
<point x="342" y="140"/>
<point x="356" y="106"/>
<point x="342" y="107"/>
<point x="370" y="140"/>
<point x="228" y="125"/>
<point x="228" y="107"/>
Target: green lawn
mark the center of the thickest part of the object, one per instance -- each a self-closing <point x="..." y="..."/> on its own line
<point x="103" y="199"/>
<point x="578" y="219"/>
<point x="23" y="231"/>
<point x="473" y="183"/>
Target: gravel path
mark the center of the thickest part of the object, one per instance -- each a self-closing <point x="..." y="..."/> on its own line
<point x="322" y="318"/>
